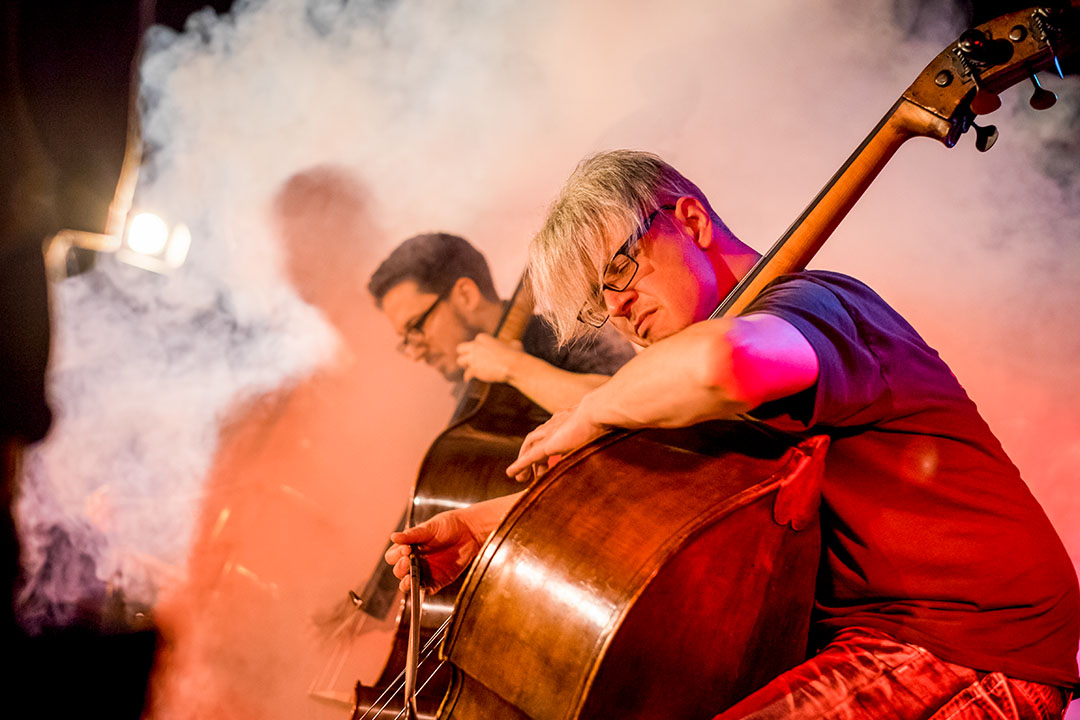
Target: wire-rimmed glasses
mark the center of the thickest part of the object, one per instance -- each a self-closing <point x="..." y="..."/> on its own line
<point x="619" y="272"/>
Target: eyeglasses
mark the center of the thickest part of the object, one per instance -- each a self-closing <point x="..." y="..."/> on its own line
<point x="414" y="331"/>
<point x="619" y="272"/>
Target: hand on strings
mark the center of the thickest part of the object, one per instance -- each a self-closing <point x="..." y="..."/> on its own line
<point x="488" y="359"/>
<point x="447" y="543"/>
<point x="545" y="446"/>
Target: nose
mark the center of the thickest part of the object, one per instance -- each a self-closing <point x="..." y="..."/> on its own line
<point x="618" y="302"/>
<point x="414" y="351"/>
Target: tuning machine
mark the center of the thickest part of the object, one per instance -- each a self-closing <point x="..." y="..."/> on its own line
<point x="1041" y="98"/>
<point x="1044" y="28"/>
<point x="985" y="135"/>
<point x="974" y="51"/>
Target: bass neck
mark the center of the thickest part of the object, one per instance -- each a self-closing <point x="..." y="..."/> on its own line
<point x="511" y="327"/>
<point x="961" y="83"/>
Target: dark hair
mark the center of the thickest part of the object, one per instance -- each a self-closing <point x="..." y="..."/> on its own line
<point x="434" y="261"/>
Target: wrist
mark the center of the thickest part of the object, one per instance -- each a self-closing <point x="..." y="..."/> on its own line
<point x="513" y="367"/>
<point x="481" y="518"/>
<point x="589" y="409"/>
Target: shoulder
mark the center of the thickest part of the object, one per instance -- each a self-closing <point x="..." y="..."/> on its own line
<point x="815" y="287"/>
<point x="824" y="299"/>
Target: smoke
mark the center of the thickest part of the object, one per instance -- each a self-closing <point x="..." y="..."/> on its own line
<point x="467" y="117"/>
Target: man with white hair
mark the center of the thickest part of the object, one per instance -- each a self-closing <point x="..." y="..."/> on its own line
<point x="944" y="591"/>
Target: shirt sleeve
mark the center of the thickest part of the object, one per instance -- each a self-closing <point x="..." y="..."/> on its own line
<point x="850" y="389"/>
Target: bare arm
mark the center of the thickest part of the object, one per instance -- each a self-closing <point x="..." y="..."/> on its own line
<point x="711" y="370"/>
<point x="551" y="388"/>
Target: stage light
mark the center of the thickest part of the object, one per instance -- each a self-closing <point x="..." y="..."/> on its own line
<point x="147" y="242"/>
<point x="147" y="234"/>
<point x="140" y="238"/>
<point x="150" y="243"/>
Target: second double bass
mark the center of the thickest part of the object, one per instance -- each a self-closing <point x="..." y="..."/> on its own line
<point x="465" y="464"/>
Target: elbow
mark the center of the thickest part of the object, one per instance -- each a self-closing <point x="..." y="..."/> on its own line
<point x="756" y="359"/>
<point x="726" y="370"/>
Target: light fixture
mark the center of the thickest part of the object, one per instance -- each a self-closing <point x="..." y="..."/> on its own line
<point x="150" y="243"/>
<point x="143" y="239"/>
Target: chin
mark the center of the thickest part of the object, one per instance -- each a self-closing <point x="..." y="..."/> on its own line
<point x="454" y="375"/>
<point x="653" y="334"/>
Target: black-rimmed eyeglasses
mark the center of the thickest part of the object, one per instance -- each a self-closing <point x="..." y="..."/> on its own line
<point x="414" y="331"/>
<point x="619" y="272"/>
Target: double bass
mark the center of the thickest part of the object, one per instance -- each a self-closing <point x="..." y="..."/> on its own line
<point x="464" y="465"/>
<point x="640" y="577"/>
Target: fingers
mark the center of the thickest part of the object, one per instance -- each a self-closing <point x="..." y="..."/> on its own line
<point x="530" y="474"/>
<point x="522" y="468"/>
<point x="445" y="544"/>
<point x="532" y="451"/>
<point x="424" y="532"/>
<point x="464" y="354"/>
<point x="396" y="552"/>
<point x="465" y="360"/>
<point x="401" y="567"/>
<point x="487" y="359"/>
<point x="468" y="360"/>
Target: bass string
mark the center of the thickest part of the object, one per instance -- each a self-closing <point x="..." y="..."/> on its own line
<point x="418" y="691"/>
<point x="397" y="686"/>
<point x="393" y="691"/>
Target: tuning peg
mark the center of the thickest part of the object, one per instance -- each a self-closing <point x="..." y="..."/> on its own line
<point x="1041" y="98"/>
<point x="985" y="137"/>
<point x="984" y="102"/>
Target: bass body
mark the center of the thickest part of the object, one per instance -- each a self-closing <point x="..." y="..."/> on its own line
<point x="667" y="582"/>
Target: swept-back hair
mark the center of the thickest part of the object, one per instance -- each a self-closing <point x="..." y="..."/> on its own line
<point x="434" y="261"/>
<point x="605" y="200"/>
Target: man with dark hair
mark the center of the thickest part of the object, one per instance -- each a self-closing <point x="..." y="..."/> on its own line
<point x="436" y="290"/>
<point x="430" y="259"/>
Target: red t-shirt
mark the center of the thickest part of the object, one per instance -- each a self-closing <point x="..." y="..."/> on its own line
<point x="928" y="531"/>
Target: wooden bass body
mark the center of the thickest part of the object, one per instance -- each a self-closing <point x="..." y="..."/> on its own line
<point x="666" y="582"/>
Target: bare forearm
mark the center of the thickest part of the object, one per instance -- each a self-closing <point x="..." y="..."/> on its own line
<point x="711" y="370"/>
<point x="483" y="517"/>
<point x="551" y="388"/>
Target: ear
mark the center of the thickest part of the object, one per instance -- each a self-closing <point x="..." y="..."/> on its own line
<point x="465" y="295"/>
<point x="693" y="216"/>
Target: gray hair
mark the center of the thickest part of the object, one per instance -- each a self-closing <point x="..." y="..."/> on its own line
<point x="605" y="200"/>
